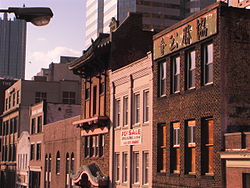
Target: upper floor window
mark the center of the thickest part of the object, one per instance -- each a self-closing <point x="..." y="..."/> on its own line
<point x="94" y="145"/>
<point x="69" y="97"/>
<point x="125" y="111"/>
<point x="32" y="151"/>
<point x="72" y="164"/>
<point x="207" y="62"/>
<point x="33" y="126"/>
<point x="176" y="134"/>
<point x="175" y="74"/>
<point x="117" y="113"/>
<point x="13" y="99"/>
<point x="136" y="109"/>
<point x="94" y="100"/>
<point x="39" y="124"/>
<point x="67" y="163"/>
<point x="40" y="96"/>
<point x="162" y="78"/>
<point x="145" y="106"/>
<point x="87" y="94"/>
<point x="38" y="151"/>
<point x="190" y="69"/>
<point x="101" y="88"/>
<point x="18" y="97"/>
<point x="58" y="162"/>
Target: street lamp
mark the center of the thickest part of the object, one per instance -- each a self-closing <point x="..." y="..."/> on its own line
<point x="38" y="16"/>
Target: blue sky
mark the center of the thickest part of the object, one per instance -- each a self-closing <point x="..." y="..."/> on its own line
<point x="63" y="36"/>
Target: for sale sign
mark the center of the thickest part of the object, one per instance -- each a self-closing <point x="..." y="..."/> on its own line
<point x="131" y="137"/>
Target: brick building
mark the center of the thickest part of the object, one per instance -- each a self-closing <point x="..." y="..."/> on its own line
<point x="131" y="124"/>
<point x="236" y="157"/>
<point x="15" y="118"/>
<point x="61" y="155"/>
<point x="41" y="114"/>
<point x="201" y="92"/>
<point x="94" y="123"/>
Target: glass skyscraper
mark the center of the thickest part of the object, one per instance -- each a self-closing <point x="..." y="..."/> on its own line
<point x="156" y="14"/>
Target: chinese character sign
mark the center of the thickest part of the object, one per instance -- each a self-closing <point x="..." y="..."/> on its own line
<point x="193" y="31"/>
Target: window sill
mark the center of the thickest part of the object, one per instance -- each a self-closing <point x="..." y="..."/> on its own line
<point x="136" y="125"/>
<point x="209" y="83"/>
<point x="124" y="184"/>
<point x="209" y="174"/>
<point x="176" y="146"/>
<point x="125" y="127"/>
<point x="117" y="128"/>
<point x="176" y="172"/>
<point x="192" y="173"/>
<point x="145" y="185"/>
<point x="145" y="123"/>
<point x="136" y="185"/>
<point x="192" y="145"/>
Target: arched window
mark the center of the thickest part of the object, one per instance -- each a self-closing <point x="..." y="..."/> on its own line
<point x="67" y="163"/>
<point x="58" y="162"/>
<point x="72" y="162"/>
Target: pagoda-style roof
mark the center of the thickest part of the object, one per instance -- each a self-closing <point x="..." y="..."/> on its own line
<point x="93" y="57"/>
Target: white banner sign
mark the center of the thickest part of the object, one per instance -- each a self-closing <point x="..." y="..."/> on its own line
<point x="131" y="137"/>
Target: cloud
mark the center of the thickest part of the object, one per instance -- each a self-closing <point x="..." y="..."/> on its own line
<point x="40" y="59"/>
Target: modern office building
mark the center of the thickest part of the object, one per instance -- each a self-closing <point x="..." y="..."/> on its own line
<point x="157" y="15"/>
<point x="12" y="47"/>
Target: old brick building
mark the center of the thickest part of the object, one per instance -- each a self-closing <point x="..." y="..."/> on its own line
<point x="201" y="84"/>
<point x="236" y="157"/>
<point x="94" y="123"/>
<point x="61" y="154"/>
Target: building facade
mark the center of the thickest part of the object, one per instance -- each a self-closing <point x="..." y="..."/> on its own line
<point x="15" y="118"/>
<point x="41" y="114"/>
<point x="236" y="159"/>
<point x="12" y="47"/>
<point x="23" y="160"/>
<point x="131" y="127"/>
<point x="57" y="71"/>
<point x="94" y="123"/>
<point x="198" y="94"/>
<point x="61" y="155"/>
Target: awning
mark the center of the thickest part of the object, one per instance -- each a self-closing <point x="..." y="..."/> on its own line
<point x="89" y="175"/>
<point x="98" y="120"/>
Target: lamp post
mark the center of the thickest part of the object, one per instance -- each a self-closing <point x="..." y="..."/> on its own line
<point x="38" y="16"/>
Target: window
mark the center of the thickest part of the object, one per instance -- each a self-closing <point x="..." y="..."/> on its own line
<point x="72" y="164"/>
<point x="39" y="124"/>
<point x="145" y="106"/>
<point x="101" y="145"/>
<point x="11" y="126"/>
<point x="13" y="99"/>
<point x="87" y="94"/>
<point x="94" y="99"/>
<point x="7" y="127"/>
<point x="124" y="167"/>
<point x="69" y="97"/>
<point x="190" y="153"/>
<point x="136" y="108"/>
<point x="102" y="87"/>
<point x="32" y="151"/>
<point x="67" y="163"/>
<point x="135" y="167"/>
<point x="15" y="124"/>
<point x="175" y="150"/>
<point x="38" y="152"/>
<point x="18" y="97"/>
<point x="117" y="113"/>
<point x="9" y="102"/>
<point x="40" y="96"/>
<point x="175" y="76"/>
<point x="94" y="145"/>
<point x="33" y="125"/>
<point x="207" y="146"/>
<point x="190" y="68"/>
<point x="246" y="180"/>
<point x="125" y="111"/>
<point x="207" y="60"/>
<point x="145" y="167"/>
<point x="117" y="167"/>
<point x="58" y="162"/>
<point x="162" y="78"/>
<point x="6" y="104"/>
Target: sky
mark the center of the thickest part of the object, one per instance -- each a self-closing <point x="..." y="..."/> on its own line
<point x="63" y="36"/>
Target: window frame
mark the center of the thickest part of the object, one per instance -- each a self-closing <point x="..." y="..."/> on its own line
<point x="125" y="111"/>
<point x="136" y="168"/>
<point x="175" y="73"/>
<point x="146" y="106"/>
<point x="117" y="167"/>
<point x="117" y="113"/>
<point x="124" y="167"/>
<point x="190" y="70"/>
<point x="145" y="166"/>
<point x="205" y="64"/>
<point x="162" y="74"/>
<point x="136" y="108"/>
